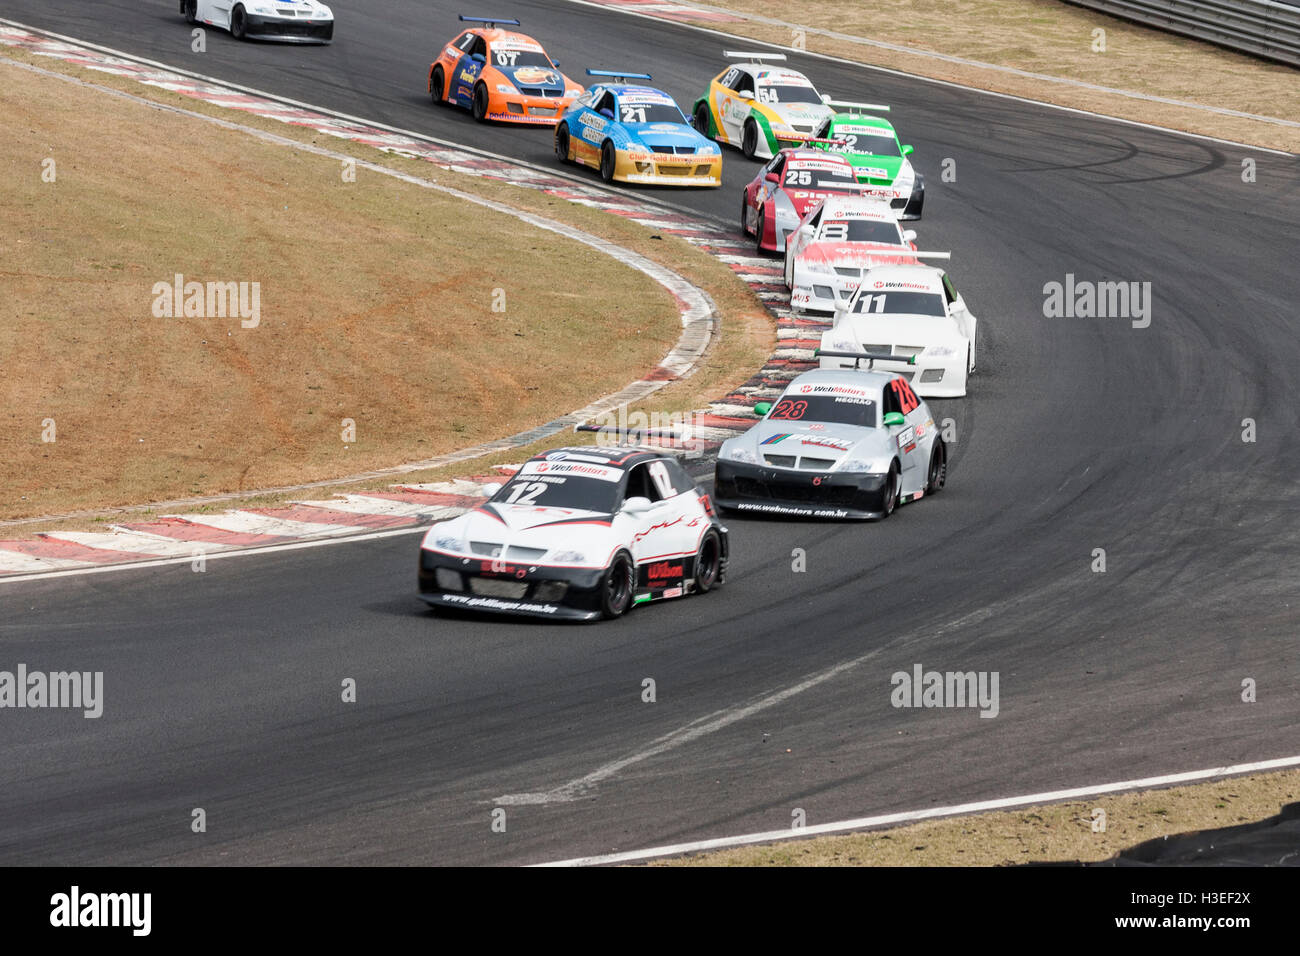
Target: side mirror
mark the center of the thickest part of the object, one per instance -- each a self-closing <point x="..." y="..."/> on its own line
<point x="772" y="178"/>
<point x="826" y="98"/>
<point x="807" y="231"/>
<point x="762" y="408"/>
<point x="555" y="63"/>
<point x="478" y="58"/>
<point x="637" y="505"/>
<point x="895" y="419"/>
<point x="907" y="150"/>
<point x="491" y="488"/>
<point x="909" y="235"/>
<point x="745" y="94"/>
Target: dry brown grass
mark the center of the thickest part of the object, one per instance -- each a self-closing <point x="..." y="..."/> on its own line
<point x="1055" y="39"/>
<point x="373" y="308"/>
<point x="1053" y="833"/>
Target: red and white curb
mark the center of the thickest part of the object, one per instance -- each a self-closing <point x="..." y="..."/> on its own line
<point x="408" y="507"/>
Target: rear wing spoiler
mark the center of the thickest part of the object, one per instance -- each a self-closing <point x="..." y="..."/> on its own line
<point x="620" y="74"/>
<point x="754" y="57"/>
<point x="869" y="357"/>
<point x="490" y="21"/>
<point x="858" y="107"/>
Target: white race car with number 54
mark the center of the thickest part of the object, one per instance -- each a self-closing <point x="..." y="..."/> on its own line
<point x="294" y="21"/>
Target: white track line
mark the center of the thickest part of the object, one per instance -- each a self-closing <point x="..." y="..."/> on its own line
<point x="975" y="89"/>
<point x="889" y="819"/>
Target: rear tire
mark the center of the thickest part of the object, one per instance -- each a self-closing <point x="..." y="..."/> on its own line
<point x="438" y="86"/>
<point x="749" y="139"/>
<point x="616" y="587"/>
<point x="562" y="142"/>
<point x="238" y="24"/>
<point x="708" y="562"/>
<point x="937" y="476"/>
<point x="480" y="108"/>
<point x="702" y="120"/>
<point x="607" y="161"/>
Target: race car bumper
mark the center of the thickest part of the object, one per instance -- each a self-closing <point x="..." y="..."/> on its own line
<point x="757" y="489"/>
<point x="663" y="170"/>
<point x="289" y="29"/>
<point x="470" y="584"/>
<point x="929" y="377"/>
<point x="528" y="110"/>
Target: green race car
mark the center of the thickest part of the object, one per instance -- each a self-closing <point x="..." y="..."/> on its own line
<point x="870" y="144"/>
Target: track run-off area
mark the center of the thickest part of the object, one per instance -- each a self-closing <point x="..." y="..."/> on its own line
<point x="222" y="689"/>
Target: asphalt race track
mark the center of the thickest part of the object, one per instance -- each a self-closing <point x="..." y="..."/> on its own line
<point x="223" y="689"/>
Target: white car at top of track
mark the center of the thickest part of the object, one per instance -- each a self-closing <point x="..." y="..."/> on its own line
<point x="294" y="21"/>
<point x="912" y="312"/>
<point x="835" y="242"/>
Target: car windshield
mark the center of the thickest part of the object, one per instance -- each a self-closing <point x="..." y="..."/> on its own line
<point x="510" y="58"/>
<point x="860" y="230"/>
<point x="804" y="177"/>
<point x="562" y="491"/>
<point x="633" y="112"/>
<point x="788" y="94"/>
<point x="840" y="408"/>
<point x="857" y="141"/>
<point x="900" y="303"/>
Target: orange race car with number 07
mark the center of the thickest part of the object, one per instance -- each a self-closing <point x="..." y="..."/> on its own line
<point x="500" y="75"/>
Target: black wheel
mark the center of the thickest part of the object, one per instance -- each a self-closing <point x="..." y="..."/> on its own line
<point x="890" y="500"/>
<point x="744" y="215"/>
<point x="749" y="139"/>
<point x="562" y="142"/>
<point x="938" y="473"/>
<point x="481" y="103"/>
<point x="708" y="562"/>
<point x="438" y="86"/>
<point x="762" y="228"/>
<point x="607" y="159"/>
<point x="238" y="24"/>
<point x="702" y="119"/>
<point x="616" y="586"/>
<point x="191" y="10"/>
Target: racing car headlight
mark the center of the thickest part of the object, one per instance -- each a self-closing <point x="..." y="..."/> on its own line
<point x="858" y="465"/>
<point x="449" y="542"/>
<point x="569" y="557"/>
<point x="739" y="453"/>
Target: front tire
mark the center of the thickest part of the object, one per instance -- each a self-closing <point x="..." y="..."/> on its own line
<point x="749" y="139"/>
<point x="744" y="215"/>
<point x="562" y="142"/>
<point x="708" y="563"/>
<point x="616" y="587"/>
<point x="238" y="23"/>
<point x="762" y="228"/>
<point x="892" y="486"/>
<point x="438" y="86"/>
<point x="190" y="8"/>
<point x="607" y="160"/>
<point x="937" y="476"/>
<point x="480" y="107"/>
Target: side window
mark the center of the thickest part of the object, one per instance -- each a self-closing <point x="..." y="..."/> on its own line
<point x="729" y="78"/>
<point x="606" y="104"/>
<point x="661" y="480"/>
<point x="641" y="482"/>
<point x="479" y="46"/>
<point x="948" y="291"/>
<point x="890" y="403"/>
<point x="464" y="41"/>
<point x="777" y="164"/>
<point x="681" y="480"/>
<point x="745" y="84"/>
<point x="906" y="398"/>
